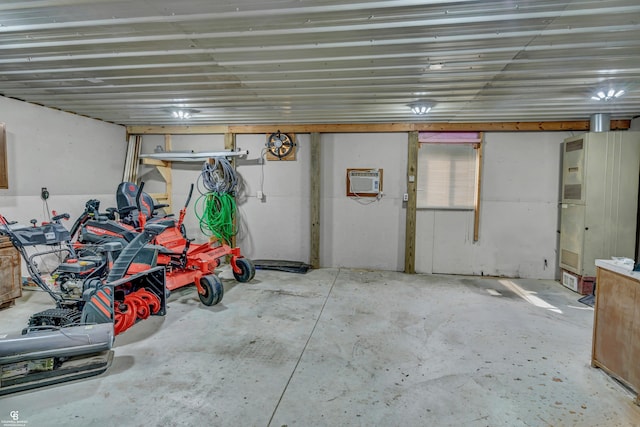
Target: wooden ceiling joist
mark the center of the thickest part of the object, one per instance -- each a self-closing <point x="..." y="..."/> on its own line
<point x="577" y="125"/>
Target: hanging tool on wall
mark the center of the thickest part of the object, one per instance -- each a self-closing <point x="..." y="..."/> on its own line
<point x="216" y="206"/>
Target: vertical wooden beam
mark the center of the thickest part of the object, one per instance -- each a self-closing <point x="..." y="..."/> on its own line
<point x="230" y="145"/>
<point x="315" y="169"/>
<point x="132" y="160"/>
<point x="164" y="168"/>
<point x="230" y="142"/>
<point x="410" y="224"/>
<point x="476" y="207"/>
<point x="126" y="174"/>
<point x="4" y="169"/>
<point x="166" y="174"/>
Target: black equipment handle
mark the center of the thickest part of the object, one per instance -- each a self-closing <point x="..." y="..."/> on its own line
<point x="189" y="196"/>
<point x="138" y="195"/>
<point x="61" y="216"/>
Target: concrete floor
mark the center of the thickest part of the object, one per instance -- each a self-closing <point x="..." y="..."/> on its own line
<point x="339" y="347"/>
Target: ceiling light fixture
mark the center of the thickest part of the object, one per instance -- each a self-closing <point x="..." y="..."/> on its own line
<point x="420" y="109"/>
<point x="181" y="114"/>
<point x="607" y="96"/>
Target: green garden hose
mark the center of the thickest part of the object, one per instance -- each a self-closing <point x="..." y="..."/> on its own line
<point x="216" y="214"/>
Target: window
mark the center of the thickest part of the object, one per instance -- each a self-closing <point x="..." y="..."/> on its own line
<point x="447" y="170"/>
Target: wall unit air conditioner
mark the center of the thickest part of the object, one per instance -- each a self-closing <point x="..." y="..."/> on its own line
<point x="364" y="182"/>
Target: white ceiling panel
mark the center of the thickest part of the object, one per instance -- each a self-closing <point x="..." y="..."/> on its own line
<point x="300" y="61"/>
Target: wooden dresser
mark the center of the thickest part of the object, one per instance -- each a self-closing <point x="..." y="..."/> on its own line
<point x="10" y="283"/>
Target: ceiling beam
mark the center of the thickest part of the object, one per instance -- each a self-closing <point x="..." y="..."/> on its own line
<point x="578" y="125"/>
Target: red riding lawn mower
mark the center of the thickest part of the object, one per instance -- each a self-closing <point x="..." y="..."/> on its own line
<point x="185" y="263"/>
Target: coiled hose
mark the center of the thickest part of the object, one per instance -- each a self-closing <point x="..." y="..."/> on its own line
<point x="216" y="206"/>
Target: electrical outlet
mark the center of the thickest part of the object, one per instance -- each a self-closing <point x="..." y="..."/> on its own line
<point x="260" y="195"/>
<point x="44" y="193"/>
<point x="405" y="197"/>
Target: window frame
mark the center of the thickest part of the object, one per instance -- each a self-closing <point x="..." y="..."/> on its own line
<point x="474" y="139"/>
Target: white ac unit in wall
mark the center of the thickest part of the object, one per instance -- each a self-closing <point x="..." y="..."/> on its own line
<point x="364" y="182"/>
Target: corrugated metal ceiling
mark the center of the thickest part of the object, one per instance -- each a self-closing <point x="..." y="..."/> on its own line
<point x="321" y="61"/>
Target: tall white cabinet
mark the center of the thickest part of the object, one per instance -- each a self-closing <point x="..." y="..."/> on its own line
<point x="600" y="174"/>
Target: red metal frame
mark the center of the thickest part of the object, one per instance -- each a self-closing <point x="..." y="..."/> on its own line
<point x="201" y="259"/>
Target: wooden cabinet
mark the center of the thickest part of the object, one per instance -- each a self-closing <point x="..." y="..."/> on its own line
<point x="10" y="285"/>
<point x="616" y="327"/>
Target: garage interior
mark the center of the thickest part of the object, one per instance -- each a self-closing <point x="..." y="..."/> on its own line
<point x="444" y="294"/>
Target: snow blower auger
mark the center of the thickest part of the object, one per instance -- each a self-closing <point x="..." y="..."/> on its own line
<point x="93" y="303"/>
<point x="185" y="263"/>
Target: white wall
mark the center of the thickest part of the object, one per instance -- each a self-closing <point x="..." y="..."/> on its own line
<point x="352" y="235"/>
<point x="518" y="220"/>
<point x="76" y="158"/>
<point x="356" y="235"/>
<point x="518" y="216"/>
<point x="276" y="228"/>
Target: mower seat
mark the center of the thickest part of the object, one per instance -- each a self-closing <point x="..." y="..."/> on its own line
<point x="127" y="207"/>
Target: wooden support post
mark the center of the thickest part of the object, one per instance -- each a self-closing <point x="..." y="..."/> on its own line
<point x="134" y="142"/>
<point x="230" y="142"/>
<point x="476" y="207"/>
<point x="410" y="224"/>
<point x="230" y="145"/>
<point x="164" y="169"/>
<point x="4" y="169"/>
<point x="166" y="174"/>
<point x="315" y="169"/>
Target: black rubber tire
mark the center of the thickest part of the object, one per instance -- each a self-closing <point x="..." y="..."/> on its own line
<point x="247" y="270"/>
<point x="213" y="290"/>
